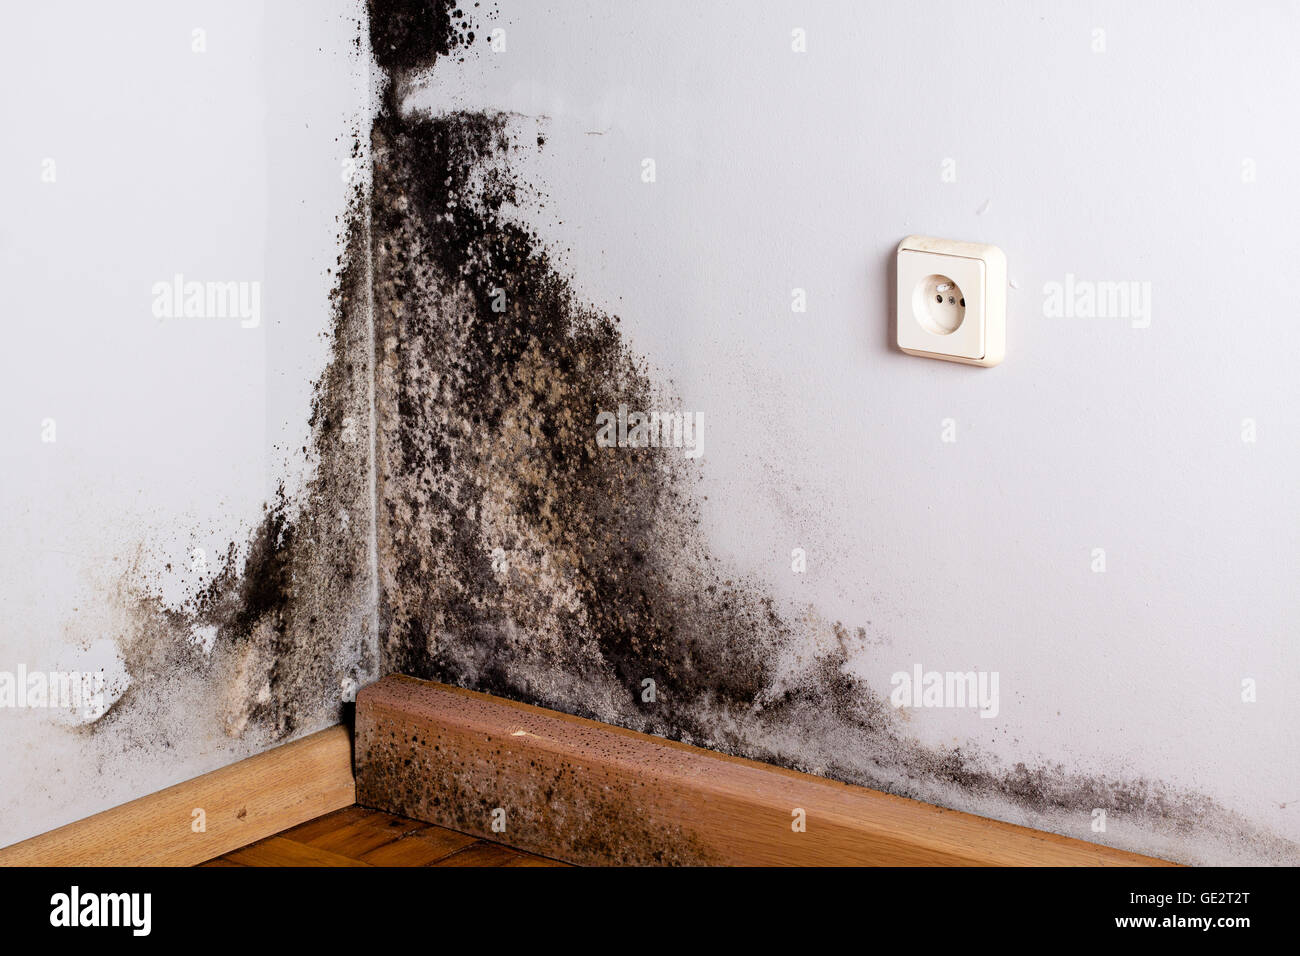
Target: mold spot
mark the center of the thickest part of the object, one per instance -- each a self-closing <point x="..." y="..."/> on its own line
<point x="515" y="555"/>
<point x="519" y="558"/>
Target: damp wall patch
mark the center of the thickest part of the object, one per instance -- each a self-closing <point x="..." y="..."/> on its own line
<point x="609" y="315"/>
<point x="189" y="516"/>
<point x="522" y="555"/>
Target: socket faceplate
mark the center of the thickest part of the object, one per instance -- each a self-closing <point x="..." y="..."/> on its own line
<point x="952" y="300"/>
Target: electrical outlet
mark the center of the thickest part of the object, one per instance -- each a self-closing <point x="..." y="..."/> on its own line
<point x="952" y="300"/>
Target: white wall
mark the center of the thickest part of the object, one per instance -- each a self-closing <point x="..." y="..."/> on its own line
<point x="170" y="435"/>
<point x="778" y="170"/>
<point x="775" y="170"/>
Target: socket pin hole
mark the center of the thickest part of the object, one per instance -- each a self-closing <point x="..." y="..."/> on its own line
<point x="935" y="305"/>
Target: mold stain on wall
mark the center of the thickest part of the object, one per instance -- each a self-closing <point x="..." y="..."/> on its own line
<point x="517" y="557"/>
<point x="275" y="640"/>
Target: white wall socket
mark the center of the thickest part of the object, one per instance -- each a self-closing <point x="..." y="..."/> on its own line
<point x="952" y="300"/>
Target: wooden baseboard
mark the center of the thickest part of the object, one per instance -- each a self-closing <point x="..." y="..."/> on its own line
<point x="568" y="788"/>
<point x="242" y="803"/>
<point x="589" y="793"/>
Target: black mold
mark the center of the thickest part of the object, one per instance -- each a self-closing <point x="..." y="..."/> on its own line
<point x="411" y="34"/>
<point x="486" y="447"/>
<point x="290" y="608"/>
<point x="518" y="558"/>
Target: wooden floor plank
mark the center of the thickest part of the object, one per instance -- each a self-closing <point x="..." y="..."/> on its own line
<point x="306" y="832"/>
<point x="279" y="851"/>
<point x="480" y="854"/>
<point x="420" y="848"/>
<point x="363" y="836"/>
<point x="356" y="836"/>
